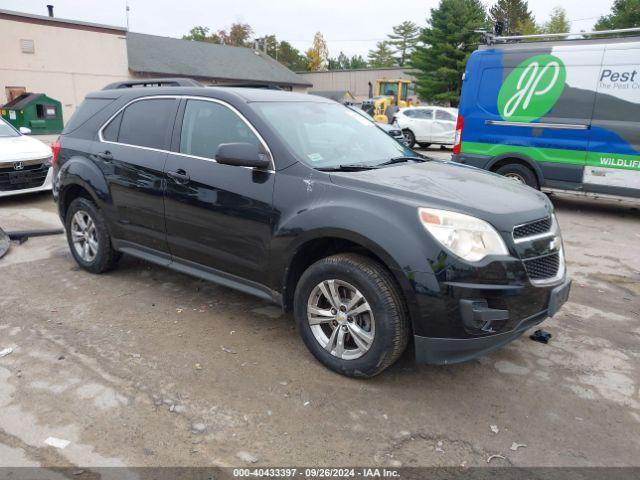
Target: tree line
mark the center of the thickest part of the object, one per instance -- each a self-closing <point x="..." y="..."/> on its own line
<point x="436" y="54"/>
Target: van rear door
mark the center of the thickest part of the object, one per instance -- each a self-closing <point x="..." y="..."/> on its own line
<point x="613" y="160"/>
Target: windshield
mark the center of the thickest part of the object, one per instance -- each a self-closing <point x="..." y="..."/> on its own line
<point x="329" y="135"/>
<point x="7" y="130"/>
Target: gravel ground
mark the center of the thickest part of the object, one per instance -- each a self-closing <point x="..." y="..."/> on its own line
<point x="148" y="367"/>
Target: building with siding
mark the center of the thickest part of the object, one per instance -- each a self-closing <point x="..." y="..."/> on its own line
<point x="354" y="81"/>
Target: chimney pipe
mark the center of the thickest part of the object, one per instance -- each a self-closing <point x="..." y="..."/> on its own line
<point x="50" y="8"/>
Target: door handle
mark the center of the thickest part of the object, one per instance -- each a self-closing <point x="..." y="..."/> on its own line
<point x="106" y="155"/>
<point x="179" y="176"/>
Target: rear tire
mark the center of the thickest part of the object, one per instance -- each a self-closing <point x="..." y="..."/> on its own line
<point x="409" y="138"/>
<point x="360" y="323"/>
<point x="519" y="173"/>
<point x="88" y="237"/>
<point x="424" y="145"/>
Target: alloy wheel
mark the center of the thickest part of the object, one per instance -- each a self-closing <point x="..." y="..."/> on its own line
<point x="341" y="319"/>
<point x="84" y="236"/>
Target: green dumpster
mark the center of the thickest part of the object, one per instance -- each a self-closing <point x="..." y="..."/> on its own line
<point x="40" y="113"/>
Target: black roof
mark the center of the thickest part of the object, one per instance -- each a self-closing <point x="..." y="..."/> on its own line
<point x="151" y="54"/>
<point x="22" y="101"/>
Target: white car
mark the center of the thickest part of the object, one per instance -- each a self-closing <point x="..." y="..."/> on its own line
<point x="25" y="163"/>
<point x="427" y="125"/>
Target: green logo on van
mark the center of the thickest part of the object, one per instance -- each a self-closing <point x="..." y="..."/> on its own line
<point x="532" y="89"/>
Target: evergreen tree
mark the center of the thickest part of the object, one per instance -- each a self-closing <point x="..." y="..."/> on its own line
<point x="357" y="61"/>
<point x="512" y="13"/>
<point x="404" y="39"/>
<point x="382" y="56"/>
<point x="291" y="57"/>
<point x="447" y="42"/>
<point x="624" y="14"/>
<point x="557" y="22"/>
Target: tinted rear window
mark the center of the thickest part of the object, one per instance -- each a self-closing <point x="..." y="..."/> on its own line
<point x="146" y="123"/>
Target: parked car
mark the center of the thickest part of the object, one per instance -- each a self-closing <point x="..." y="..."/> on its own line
<point x="294" y="199"/>
<point x="559" y="115"/>
<point x="427" y="125"/>
<point x="24" y="162"/>
<point x="391" y="130"/>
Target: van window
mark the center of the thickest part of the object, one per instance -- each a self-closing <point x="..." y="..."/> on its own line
<point x="207" y="124"/>
<point x="146" y="123"/>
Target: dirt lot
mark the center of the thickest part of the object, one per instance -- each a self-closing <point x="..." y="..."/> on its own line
<point x="148" y="367"/>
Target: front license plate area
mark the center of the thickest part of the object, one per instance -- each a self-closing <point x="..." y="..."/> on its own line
<point x="559" y="297"/>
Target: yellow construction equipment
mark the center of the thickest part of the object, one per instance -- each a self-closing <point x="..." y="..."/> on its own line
<point x="389" y="96"/>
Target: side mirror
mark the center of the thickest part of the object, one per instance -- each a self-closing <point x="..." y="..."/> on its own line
<point x="241" y="155"/>
<point x="25" y="131"/>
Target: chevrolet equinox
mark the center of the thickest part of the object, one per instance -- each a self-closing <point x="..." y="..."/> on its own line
<point x="299" y="200"/>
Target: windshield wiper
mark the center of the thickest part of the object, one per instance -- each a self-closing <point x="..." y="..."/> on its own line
<point x="349" y="167"/>
<point x="402" y="159"/>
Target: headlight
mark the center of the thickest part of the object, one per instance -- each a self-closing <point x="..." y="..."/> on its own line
<point x="47" y="161"/>
<point x="466" y="236"/>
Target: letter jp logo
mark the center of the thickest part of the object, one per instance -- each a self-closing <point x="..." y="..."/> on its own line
<point x="532" y="88"/>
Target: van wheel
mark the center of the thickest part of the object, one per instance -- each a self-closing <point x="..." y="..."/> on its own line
<point x="409" y="138"/>
<point x="519" y="173"/>
<point x="88" y="237"/>
<point x="351" y="315"/>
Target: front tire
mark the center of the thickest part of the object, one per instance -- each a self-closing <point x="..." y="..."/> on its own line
<point x="351" y="315"/>
<point x="88" y="237"/>
<point x="409" y="138"/>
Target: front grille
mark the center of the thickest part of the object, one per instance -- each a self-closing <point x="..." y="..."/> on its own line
<point x="30" y="177"/>
<point x="533" y="228"/>
<point x="543" y="268"/>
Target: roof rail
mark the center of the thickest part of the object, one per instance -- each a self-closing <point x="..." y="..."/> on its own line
<point x="490" y="38"/>
<point x="154" y="82"/>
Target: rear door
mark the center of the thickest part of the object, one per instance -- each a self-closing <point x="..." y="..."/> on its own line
<point x="444" y="127"/>
<point x="423" y="124"/>
<point x="218" y="216"/>
<point x="613" y="160"/>
<point x="131" y="153"/>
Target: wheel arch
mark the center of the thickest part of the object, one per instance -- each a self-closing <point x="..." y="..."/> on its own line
<point x="80" y="177"/>
<point x="324" y="243"/>
<point x="517" y="158"/>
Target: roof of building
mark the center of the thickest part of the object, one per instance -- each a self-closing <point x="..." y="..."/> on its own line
<point x="22" y="101"/>
<point x="172" y="56"/>
<point x="61" y="22"/>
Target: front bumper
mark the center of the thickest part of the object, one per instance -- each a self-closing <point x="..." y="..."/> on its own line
<point x="495" y="326"/>
<point x="31" y="185"/>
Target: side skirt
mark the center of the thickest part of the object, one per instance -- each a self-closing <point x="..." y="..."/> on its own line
<point x="197" y="270"/>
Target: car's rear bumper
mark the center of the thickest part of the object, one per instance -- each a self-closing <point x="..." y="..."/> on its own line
<point x="441" y="351"/>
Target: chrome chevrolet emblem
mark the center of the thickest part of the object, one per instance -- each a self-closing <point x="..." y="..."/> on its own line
<point x="18" y="165"/>
<point x="555" y="244"/>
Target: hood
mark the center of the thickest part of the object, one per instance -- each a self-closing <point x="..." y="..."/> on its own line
<point x="451" y="186"/>
<point x="22" y="148"/>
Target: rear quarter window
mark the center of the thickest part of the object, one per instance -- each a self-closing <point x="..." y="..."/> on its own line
<point x="87" y="109"/>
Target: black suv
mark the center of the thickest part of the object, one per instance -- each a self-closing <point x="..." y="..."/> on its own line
<point x="301" y="201"/>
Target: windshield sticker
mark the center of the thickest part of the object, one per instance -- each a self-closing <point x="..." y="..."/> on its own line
<point x="532" y="88"/>
<point x="315" y="157"/>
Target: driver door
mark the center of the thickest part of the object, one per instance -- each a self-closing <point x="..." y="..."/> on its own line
<point x="423" y="121"/>
<point x="217" y="216"/>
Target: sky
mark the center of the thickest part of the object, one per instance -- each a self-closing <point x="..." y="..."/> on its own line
<point x="350" y="26"/>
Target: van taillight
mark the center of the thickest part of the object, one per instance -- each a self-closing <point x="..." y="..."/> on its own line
<point x="55" y="150"/>
<point x="457" y="144"/>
